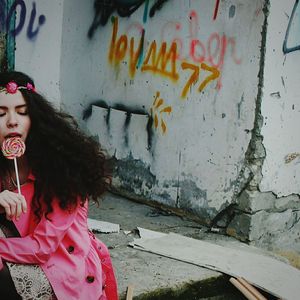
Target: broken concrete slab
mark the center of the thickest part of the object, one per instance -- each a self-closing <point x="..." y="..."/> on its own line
<point x="265" y="272"/>
<point x="101" y="226"/>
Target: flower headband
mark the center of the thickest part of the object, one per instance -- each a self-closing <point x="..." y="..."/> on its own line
<point x="12" y="87"/>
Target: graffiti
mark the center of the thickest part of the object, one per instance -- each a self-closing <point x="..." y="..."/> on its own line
<point x="158" y="60"/>
<point x="125" y="8"/>
<point x="157" y="110"/>
<point x="118" y="48"/>
<point x="215" y="73"/>
<point x="292" y="36"/>
<point x="216" y="9"/>
<point x="87" y="112"/>
<point x="213" y="50"/>
<point x="8" y="18"/>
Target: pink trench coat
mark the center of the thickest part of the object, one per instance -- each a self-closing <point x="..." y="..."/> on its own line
<point x="77" y="264"/>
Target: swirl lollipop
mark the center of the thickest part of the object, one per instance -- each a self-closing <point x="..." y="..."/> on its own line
<point x="12" y="148"/>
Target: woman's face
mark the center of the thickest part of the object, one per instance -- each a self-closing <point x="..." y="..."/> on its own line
<point x="14" y="118"/>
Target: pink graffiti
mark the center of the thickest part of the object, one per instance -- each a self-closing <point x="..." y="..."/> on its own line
<point x="213" y="50"/>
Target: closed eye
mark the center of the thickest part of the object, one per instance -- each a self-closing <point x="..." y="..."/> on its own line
<point x="22" y="113"/>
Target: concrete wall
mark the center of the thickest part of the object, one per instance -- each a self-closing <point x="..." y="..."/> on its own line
<point x="38" y="43"/>
<point x="200" y="92"/>
<point x="280" y="105"/>
<point x="269" y="209"/>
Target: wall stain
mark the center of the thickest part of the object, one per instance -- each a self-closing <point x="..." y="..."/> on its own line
<point x="194" y="200"/>
<point x="239" y="106"/>
<point x="133" y="177"/>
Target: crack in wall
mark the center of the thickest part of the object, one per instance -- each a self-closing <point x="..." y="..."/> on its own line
<point x="256" y="153"/>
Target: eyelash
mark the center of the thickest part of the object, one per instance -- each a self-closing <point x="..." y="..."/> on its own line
<point x="25" y="113"/>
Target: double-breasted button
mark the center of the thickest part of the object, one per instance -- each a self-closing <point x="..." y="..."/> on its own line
<point x="103" y="286"/>
<point x="90" y="279"/>
<point x="71" y="249"/>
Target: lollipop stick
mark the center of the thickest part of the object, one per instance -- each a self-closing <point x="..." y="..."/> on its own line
<point x="17" y="176"/>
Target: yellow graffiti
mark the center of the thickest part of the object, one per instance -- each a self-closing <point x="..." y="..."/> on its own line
<point x="195" y="76"/>
<point x="158" y="62"/>
<point x="118" y="49"/>
<point x="156" y="112"/>
<point x="215" y="74"/>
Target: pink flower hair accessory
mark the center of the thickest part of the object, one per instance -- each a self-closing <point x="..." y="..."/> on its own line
<point x="12" y="87"/>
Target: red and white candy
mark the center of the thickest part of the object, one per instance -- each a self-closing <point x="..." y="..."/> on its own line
<point x="13" y="147"/>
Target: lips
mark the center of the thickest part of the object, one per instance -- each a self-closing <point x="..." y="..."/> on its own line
<point x="13" y="134"/>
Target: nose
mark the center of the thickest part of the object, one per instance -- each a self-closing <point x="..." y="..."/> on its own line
<point x="12" y="120"/>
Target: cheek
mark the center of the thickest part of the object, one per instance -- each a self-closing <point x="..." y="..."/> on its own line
<point x="2" y="134"/>
<point x="26" y="128"/>
<point x="27" y="125"/>
<point x="2" y="131"/>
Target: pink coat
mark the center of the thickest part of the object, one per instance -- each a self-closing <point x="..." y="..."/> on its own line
<point x="75" y="262"/>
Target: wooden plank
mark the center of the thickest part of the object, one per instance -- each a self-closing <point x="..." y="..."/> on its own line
<point x="129" y="294"/>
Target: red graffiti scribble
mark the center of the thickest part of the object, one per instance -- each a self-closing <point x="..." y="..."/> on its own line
<point x="216" y="9"/>
<point x="165" y="32"/>
<point x="215" y="49"/>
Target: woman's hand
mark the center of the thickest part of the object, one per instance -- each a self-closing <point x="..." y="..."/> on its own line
<point x="12" y="204"/>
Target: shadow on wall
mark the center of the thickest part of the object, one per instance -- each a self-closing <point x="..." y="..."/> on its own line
<point x="121" y="130"/>
<point x="105" y="8"/>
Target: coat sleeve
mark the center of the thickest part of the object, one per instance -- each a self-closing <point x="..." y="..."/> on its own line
<point x="37" y="247"/>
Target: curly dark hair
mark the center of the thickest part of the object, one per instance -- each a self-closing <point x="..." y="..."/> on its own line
<point x="67" y="164"/>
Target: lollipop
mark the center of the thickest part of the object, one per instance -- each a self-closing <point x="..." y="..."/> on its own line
<point x="12" y="148"/>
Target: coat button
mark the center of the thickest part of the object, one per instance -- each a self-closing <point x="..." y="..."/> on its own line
<point x="71" y="249"/>
<point x="103" y="286"/>
<point x="90" y="279"/>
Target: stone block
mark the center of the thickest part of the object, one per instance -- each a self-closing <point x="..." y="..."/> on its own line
<point x="254" y="201"/>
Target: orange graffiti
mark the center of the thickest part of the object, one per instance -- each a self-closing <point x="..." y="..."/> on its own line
<point x="134" y="56"/>
<point x="215" y="74"/>
<point x="158" y="62"/>
<point x="195" y="76"/>
<point x="157" y="115"/>
<point x="119" y="46"/>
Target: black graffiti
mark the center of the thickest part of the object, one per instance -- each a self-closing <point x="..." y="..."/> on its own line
<point x="129" y="111"/>
<point x="7" y="18"/>
<point x="125" y="8"/>
<point x="285" y="48"/>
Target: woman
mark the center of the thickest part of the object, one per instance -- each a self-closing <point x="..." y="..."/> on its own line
<point x="47" y="251"/>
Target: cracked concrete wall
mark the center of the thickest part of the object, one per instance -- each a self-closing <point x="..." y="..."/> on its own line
<point x="268" y="210"/>
<point x="280" y="104"/>
<point x="178" y="124"/>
